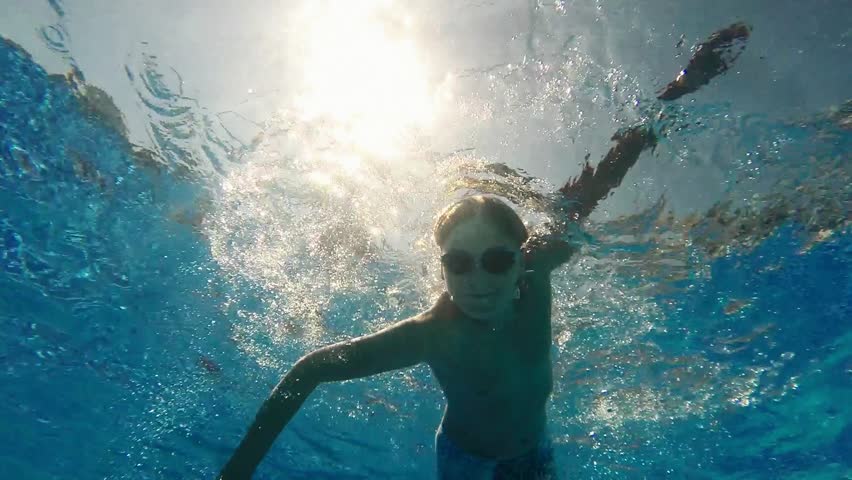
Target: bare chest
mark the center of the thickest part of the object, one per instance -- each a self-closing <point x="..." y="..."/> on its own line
<point x="508" y="369"/>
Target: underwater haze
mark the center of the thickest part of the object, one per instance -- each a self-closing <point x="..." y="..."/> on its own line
<point x="194" y="195"/>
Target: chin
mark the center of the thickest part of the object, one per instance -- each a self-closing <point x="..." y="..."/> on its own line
<point x="481" y="313"/>
<point x="478" y="315"/>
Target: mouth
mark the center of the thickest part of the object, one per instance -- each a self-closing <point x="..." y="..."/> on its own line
<point x="480" y="296"/>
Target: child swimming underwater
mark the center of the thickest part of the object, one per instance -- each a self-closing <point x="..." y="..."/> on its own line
<point x="487" y="339"/>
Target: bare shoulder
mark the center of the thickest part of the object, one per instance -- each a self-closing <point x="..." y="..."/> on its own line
<point x="437" y="324"/>
<point x="438" y="313"/>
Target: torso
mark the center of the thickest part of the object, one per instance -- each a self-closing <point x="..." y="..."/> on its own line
<point x="496" y="382"/>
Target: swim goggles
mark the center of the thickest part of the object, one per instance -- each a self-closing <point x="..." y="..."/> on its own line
<point x="495" y="260"/>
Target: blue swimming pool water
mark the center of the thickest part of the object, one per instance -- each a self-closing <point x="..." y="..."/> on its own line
<point x="150" y="297"/>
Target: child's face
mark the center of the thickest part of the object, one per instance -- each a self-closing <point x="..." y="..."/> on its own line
<point x="479" y="293"/>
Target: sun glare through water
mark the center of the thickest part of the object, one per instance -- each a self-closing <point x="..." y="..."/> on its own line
<point x="364" y="75"/>
<point x="338" y="180"/>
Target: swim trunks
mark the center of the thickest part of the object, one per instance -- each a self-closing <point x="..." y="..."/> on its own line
<point x="457" y="464"/>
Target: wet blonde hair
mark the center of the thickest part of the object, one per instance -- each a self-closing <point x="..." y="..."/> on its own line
<point x="491" y="209"/>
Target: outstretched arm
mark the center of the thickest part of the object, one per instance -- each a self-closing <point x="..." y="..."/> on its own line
<point x="582" y="194"/>
<point x="711" y="58"/>
<point x="398" y="346"/>
<point x="282" y="404"/>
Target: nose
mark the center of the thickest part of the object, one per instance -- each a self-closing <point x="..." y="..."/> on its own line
<point x="476" y="278"/>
